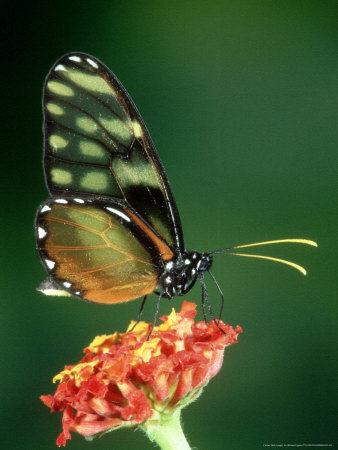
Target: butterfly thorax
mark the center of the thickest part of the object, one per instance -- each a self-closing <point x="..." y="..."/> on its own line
<point x="180" y="274"/>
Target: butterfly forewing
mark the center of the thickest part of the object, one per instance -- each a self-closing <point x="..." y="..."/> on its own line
<point x="96" y="251"/>
<point x="96" y="143"/>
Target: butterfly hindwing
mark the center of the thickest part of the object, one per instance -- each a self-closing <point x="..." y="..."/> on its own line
<point x="97" y="250"/>
<point x="96" y="143"/>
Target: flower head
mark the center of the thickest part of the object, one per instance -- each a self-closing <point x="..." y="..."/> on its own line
<point x="125" y="379"/>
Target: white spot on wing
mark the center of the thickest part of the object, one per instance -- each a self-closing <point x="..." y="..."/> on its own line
<point x="41" y="232"/>
<point x="57" y="141"/>
<point x="60" y="176"/>
<point x="75" y="58"/>
<point x="67" y="284"/>
<point x="53" y="108"/>
<point x="119" y="213"/>
<point x="61" y="200"/>
<point x="77" y="292"/>
<point x="78" y="200"/>
<point x="45" y="208"/>
<point x="138" y="132"/>
<point x="60" y="67"/>
<point x="59" y="88"/>
<point x="92" y="63"/>
<point x="95" y="181"/>
<point x="50" y="264"/>
<point x="169" y="265"/>
<point x="187" y="261"/>
<point x="55" y="292"/>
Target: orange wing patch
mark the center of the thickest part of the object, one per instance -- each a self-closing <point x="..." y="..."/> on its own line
<point x="165" y="252"/>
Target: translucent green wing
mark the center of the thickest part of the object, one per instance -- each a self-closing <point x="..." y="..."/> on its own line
<point x="96" y="143"/>
<point x="101" y="252"/>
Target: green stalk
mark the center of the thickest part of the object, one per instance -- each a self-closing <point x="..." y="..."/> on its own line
<point x="166" y="431"/>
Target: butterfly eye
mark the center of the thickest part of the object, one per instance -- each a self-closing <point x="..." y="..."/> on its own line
<point x="204" y="263"/>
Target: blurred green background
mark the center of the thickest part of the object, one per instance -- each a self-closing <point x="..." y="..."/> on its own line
<point x="241" y="100"/>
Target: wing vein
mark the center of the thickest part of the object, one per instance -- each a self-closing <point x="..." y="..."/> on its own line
<point x="103" y="266"/>
<point x="124" y="252"/>
<point x="72" y="224"/>
<point x="75" y="248"/>
<point x="79" y="163"/>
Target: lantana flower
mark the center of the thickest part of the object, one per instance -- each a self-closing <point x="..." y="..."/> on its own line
<point x="125" y="380"/>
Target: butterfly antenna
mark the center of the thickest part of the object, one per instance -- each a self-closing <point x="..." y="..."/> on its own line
<point x="155" y="315"/>
<point x="140" y="313"/>
<point x="205" y="300"/>
<point x="270" y="258"/>
<point x="220" y="292"/>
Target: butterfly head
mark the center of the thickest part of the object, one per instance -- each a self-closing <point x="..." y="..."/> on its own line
<point x="180" y="274"/>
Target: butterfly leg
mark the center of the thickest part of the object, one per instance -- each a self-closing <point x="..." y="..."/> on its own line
<point x="205" y="300"/>
<point x="155" y="315"/>
<point x="140" y="313"/>
<point x="220" y="292"/>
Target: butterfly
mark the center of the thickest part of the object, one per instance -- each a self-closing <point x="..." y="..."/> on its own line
<point x="110" y="231"/>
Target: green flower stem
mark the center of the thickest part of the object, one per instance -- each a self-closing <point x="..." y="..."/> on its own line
<point x="166" y="431"/>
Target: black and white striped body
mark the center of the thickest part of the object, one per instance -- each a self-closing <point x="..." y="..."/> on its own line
<point x="180" y="274"/>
